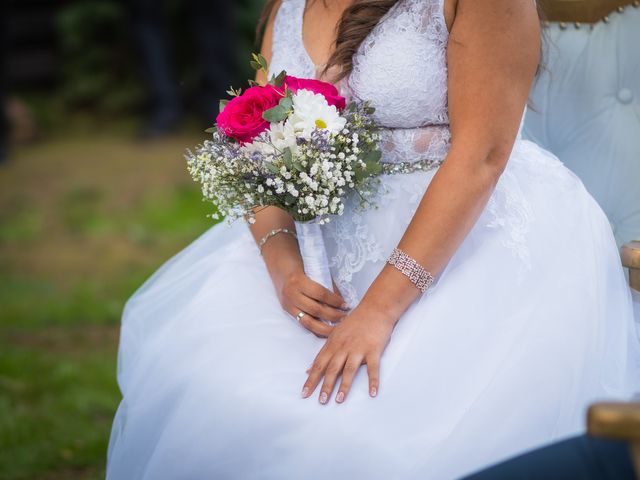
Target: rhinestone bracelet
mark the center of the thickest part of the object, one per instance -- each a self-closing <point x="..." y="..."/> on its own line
<point x="412" y="269"/>
<point x="272" y="234"/>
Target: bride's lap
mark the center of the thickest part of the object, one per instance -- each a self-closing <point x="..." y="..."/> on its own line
<point x="209" y="357"/>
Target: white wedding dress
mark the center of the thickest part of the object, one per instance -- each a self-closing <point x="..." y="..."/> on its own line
<point x="530" y="322"/>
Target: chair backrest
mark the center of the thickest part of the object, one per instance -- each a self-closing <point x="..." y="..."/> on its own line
<point x="586" y="109"/>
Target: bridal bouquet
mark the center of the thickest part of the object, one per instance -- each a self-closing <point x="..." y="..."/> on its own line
<point x="293" y="143"/>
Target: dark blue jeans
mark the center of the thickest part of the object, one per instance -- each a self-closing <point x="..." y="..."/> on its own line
<point x="578" y="458"/>
<point x="212" y="26"/>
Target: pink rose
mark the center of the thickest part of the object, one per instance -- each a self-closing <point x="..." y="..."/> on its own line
<point x="316" y="86"/>
<point x="242" y="117"/>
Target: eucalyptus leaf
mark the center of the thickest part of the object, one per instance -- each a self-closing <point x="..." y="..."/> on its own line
<point x="360" y="174"/>
<point x="287" y="158"/>
<point x="275" y="114"/>
<point x="373" y="169"/>
<point x="211" y="130"/>
<point x="272" y="167"/>
<point x="372" y="156"/>
<point x="286" y="103"/>
<point x="223" y="103"/>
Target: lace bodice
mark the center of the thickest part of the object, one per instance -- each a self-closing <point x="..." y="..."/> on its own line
<point x="408" y="89"/>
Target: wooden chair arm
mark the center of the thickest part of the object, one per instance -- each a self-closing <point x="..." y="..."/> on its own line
<point x="630" y="254"/>
<point x="583" y="11"/>
<point x="614" y="420"/>
<point x="617" y="421"/>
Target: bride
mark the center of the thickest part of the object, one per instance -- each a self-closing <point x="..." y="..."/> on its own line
<point x="234" y="365"/>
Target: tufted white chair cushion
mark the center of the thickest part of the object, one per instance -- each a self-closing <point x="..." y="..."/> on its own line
<point x="588" y="112"/>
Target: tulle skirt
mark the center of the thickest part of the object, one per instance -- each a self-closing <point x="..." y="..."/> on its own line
<point x="530" y="322"/>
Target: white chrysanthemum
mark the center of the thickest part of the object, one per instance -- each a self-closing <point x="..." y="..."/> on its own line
<point x="311" y="111"/>
<point x="283" y="135"/>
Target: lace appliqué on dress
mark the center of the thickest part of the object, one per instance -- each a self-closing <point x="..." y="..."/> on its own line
<point x="509" y="210"/>
<point x="355" y="245"/>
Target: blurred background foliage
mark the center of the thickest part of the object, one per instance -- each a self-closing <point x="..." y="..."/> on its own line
<point x="97" y="66"/>
<point x="87" y="212"/>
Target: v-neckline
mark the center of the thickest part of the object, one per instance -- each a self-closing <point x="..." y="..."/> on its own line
<point x="316" y="67"/>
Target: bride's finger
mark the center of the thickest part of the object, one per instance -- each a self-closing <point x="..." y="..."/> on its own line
<point x="316" y="372"/>
<point x="315" y="326"/>
<point x="319" y="310"/>
<point x="331" y="375"/>
<point x="373" y="370"/>
<point x="350" y="369"/>
<point x="321" y="294"/>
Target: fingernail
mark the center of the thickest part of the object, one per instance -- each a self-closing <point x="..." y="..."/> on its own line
<point x="323" y="398"/>
<point x="340" y="397"/>
<point x="305" y="392"/>
<point x="373" y="392"/>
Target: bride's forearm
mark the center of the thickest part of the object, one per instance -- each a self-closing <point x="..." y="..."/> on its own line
<point x="492" y="56"/>
<point x="281" y="253"/>
<point x="451" y="206"/>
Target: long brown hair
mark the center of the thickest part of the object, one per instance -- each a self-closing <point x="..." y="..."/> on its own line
<point x="355" y="25"/>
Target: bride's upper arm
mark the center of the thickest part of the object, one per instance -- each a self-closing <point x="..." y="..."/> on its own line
<point x="492" y="57"/>
<point x="267" y="41"/>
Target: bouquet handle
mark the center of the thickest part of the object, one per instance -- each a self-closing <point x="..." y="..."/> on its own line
<point x="314" y="253"/>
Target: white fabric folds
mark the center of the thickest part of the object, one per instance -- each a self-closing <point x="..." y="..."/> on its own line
<point x="530" y="323"/>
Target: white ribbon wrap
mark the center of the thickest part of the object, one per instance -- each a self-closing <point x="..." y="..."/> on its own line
<point x="314" y="253"/>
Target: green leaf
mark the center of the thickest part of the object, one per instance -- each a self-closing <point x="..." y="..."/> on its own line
<point x="287" y="158"/>
<point x="290" y="199"/>
<point x="372" y="166"/>
<point x="373" y="156"/>
<point x="223" y="103"/>
<point x="286" y="103"/>
<point x="211" y="130"/>
<point x="275" y="114"/>
<point x="252" y="83"/>
<point x="374" y="169"/>
<point x="272" y="167"/>
<point x="258" y="62"/>
<point x="263" y="62"/>
<point x="278" y="80"/>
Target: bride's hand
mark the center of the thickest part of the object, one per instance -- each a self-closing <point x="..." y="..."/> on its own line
<point x="359" y="338"/>
<point x="298" y="293"/>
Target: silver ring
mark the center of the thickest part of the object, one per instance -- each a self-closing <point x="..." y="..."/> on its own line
<point x="300" y="316"/>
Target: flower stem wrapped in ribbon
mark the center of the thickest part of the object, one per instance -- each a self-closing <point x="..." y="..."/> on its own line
<point x="295" y="144"/>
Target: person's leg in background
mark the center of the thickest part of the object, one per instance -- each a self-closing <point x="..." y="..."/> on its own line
<point x="151" y="38"/>
<point x="213" y="25"/>
<point x="4" y="121"/>
<point x="579" y="458"/>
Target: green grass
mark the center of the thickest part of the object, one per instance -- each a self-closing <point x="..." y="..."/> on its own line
<point x="57" y="402"/>
<point x="84" y="220"/>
